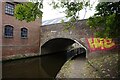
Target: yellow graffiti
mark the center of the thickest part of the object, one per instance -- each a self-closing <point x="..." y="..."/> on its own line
<point x="100" y="43"/>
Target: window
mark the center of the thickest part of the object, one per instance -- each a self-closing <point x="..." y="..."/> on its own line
<point x="24" y="33"/>
<point x="8" y="32"/>
<point x="9" y="9"/>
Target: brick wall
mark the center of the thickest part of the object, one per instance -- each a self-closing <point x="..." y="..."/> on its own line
<point x="18" y="45"/>
<point x="79" y="33"/>
<point x="57" y="31"/>
<point x="0" y="31"/>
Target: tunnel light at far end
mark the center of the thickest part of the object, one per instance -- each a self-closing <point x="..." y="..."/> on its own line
<point x="53" y="31"/>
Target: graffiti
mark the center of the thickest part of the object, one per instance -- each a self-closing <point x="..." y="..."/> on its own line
<point x="100" y="44"/>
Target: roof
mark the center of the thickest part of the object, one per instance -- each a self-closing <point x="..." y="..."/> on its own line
<point x="54" y="21"/>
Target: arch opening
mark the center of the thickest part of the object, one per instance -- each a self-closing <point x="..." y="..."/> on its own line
<point x="71" y="47"/>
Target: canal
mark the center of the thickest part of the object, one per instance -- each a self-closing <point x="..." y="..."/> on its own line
<point x="38" y="67"/>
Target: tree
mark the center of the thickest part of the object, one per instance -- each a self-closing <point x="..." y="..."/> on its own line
<point x="106" y="21"/>
<point x="28" y="11"/>
<point x="72" y="10"/>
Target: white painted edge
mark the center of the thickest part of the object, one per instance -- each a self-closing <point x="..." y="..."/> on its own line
<point x="83" y="47"/>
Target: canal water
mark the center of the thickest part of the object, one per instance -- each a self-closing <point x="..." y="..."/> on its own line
<point x="37" y="67"/>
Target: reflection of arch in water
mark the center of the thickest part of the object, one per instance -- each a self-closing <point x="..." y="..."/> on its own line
<point x="53" y="63"/>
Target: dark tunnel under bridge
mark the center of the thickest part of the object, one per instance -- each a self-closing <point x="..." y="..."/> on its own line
<point x="62" y="44"/>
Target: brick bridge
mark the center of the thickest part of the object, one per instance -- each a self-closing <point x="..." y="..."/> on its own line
<point x="54" y="38"/>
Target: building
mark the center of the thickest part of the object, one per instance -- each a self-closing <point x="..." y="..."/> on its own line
<point x="19" y="38"/>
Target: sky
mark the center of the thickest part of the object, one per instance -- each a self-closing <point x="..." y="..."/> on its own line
<point x="50" y="13"/>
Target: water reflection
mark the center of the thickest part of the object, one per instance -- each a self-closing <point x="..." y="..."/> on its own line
<point x="39" y="67"/>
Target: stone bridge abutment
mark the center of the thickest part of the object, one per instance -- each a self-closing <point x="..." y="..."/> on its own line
<point x="55" y="38"/>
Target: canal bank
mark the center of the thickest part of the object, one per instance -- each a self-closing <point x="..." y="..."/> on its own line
<point x="98" y="67"/>
<point x="20" y="56"/>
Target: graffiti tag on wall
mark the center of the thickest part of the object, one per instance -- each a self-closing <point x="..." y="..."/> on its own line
<point x="100" y="44"/>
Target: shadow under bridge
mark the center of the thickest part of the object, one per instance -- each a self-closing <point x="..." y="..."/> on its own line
<point x="58" y="45"/>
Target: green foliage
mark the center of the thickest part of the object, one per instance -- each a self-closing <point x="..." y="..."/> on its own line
<point x="106" y="21"/>
<point x="72" y="10"/>
<point x="28" y="11"/>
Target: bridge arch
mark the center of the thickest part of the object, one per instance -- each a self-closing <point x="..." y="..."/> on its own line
<point x="55" y="45"/>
